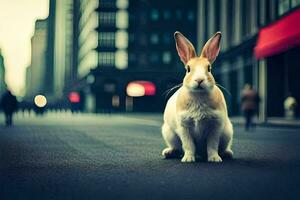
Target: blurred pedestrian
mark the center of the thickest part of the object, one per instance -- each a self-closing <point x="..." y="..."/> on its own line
<point x="250" y="100"/>
<point x="290" y="105"/>
<point x="9" y="105"/>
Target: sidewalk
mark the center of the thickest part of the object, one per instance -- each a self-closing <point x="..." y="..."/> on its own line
<point x="158" y="117"/>
<point x="239" y="120"/>
<point x="271" y="121"/>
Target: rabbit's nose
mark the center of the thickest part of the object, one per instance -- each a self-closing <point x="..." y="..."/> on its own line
<point x="199" y="81"/>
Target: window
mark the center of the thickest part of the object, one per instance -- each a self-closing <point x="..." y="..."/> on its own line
<point x="178" y="14"/>
<point x="122" y="19"/>
<point x="166" y="57"/>
<point x="107" y="39"/>
<point x="143" y="59"/>
<point x="107" y="18"/>
<point x="154" y="15"/>
<point x="121" y="39"/>
<point x="154" y="38"/>
<point x="106" y="58"/>
<point x="142" y="40"/>
<point x="131" y="38"/>
<point x="132" y="57"/>
<point x="121" y="59"/>
<point x="107" y="4"/>
<point x="191" y="15"/>
<point x="154" y="58"/>
<point x="295" y="3"/>
<point x="285" y="5"/>
<point x="167" y="14"/>
<point x="121" y="4"/>
<point x="167" y="38"/>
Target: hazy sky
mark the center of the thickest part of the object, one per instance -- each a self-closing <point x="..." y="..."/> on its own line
<point x="17" y="19"/>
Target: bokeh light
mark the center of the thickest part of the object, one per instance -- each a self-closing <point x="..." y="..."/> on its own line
<point x="40" y="101"/>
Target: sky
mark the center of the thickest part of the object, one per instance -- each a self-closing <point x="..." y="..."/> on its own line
<point x="17" y="18"/>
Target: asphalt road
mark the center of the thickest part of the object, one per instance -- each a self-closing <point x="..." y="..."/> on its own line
<point x="118" y="157"/>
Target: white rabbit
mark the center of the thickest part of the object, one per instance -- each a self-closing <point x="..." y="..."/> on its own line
<point x="196" y="114"/>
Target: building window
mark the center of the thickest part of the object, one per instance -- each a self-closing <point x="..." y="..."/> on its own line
<point x="107" y="18"/>
<point x="107" y="39"/>
<point x="154" y="38"/>
<point x="191" y="15"/>
<point x="295" y="3"/>
<point x="121" y="4"/>
<point x="166" y="57"/>
<point x="154" y="57"/>
<point x="154" y="15"/>
<point x="285" y="5"/>
<point x="167" y="38"/>
<point x="107" y="4"/>
<point x="122" y="19"/>
<point x="143" y="18"/>
<point x="167" y="14"/>
<point x="143" y="60"/>
<point x="121" y="59"/>
<point x="106" y="58"/>
<point x="178" y="14"/>
<point x="121" y="39"/>
<point x="142" y="40"/>
<point x="131" y="38"/>
<point x="132" y="57"/>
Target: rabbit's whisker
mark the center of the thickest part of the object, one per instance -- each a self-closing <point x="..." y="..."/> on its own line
<point x="167" y="92"/>
<point x="224" y="89"/>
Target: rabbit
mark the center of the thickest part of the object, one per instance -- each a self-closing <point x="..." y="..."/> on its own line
<point x="196" y="114"/>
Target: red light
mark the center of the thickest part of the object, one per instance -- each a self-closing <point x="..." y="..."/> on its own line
<point x="149" y="88"/>
<point x="74" y="97"/>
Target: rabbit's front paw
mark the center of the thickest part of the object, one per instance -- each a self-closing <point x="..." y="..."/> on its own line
<point x="170" y="153"/>
<point x="227" y="154"/>
<point x="214" y="158"/>
<point x="188" y="158"/>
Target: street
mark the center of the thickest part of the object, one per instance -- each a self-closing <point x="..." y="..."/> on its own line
<point x="117" y="156"/>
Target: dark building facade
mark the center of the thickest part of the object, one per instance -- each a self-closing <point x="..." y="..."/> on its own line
<point x="2" y="75"/>
<point x="123" y="41"/>
<point x="50" y="48"/>
<point x="240" y="22"/>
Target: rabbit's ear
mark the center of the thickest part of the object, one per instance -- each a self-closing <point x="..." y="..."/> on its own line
<point x="184" y="47"/>
<point x="212" y="48"/>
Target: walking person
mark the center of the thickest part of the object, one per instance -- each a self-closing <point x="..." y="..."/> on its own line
<point x="9" y="105"/>
<point x="290" y="105"/>
<point x="250" y="100"/>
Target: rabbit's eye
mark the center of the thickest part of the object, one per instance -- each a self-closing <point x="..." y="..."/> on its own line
<point x="188" y="68"/>
<point x="209" y="68"/>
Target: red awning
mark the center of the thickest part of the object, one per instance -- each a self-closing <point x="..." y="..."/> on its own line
<point x="279" y="36"/>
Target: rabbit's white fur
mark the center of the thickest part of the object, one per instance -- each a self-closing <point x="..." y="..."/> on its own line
<point x="196" y="114"/>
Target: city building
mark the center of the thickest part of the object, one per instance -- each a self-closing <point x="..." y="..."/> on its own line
<point x="63" y="47"/>
<point x="241" y="23"/>
<point x="61" y="50"/>
<point x="2" y="74"/>
<point x="131" y="41"/>
<point x="36" y="72"/>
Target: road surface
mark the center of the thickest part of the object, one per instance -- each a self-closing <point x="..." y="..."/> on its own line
<point x="60" y="156"/>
